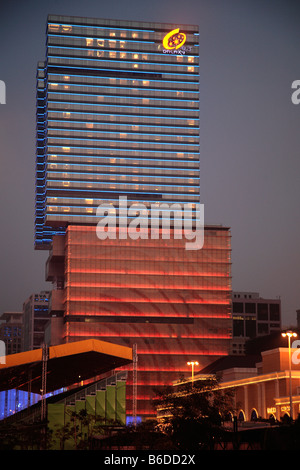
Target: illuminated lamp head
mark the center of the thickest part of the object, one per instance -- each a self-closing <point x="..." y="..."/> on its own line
<point x="174" y="39"/>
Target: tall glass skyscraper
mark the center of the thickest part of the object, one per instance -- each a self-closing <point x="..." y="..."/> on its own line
<point x="118" y="116"/>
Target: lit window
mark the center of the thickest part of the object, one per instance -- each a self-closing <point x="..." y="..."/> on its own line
<point x="123" y="55"/>
<point x="146" y="82"/>
<point x="191" y="59"/>
<point x="135" y="56"/>
<point x="190" y="69"/>
<point x="134" y="35"/>
<point x="88" y="41"/>
<point x="112" y="34"/>
<point x="66" y="77"/>
<point x="67" y="28"/>
<point x="136" y="66"/>
<point x="100" y="42"/>
<point x="54" y="27"/>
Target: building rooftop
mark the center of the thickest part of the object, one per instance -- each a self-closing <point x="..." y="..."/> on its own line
<point x="67" y="364"/>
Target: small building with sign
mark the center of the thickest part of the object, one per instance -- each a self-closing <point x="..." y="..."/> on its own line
<point x="262" y="389"/>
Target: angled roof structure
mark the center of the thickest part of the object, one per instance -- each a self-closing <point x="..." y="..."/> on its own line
<point x="67" y="364"/>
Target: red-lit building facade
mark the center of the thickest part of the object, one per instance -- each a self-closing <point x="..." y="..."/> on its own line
<point x="174" y="304"/>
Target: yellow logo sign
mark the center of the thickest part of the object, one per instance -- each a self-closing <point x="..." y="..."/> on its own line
<point x="174" y="39"/>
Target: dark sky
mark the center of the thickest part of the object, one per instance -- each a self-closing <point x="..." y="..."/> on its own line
<point x="250" y="139"/>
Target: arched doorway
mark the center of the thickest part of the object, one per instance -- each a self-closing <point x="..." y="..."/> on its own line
<point x="241" y="416"/>
<point x="254" y="415"/>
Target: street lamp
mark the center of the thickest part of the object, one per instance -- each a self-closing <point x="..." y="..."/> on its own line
<point x="290" y="334"/>
<point x="193" y="364"/>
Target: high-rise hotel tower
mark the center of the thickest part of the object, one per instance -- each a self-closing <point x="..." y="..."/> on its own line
<point x="118" y="117"/>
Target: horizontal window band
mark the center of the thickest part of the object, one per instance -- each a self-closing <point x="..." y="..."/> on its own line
<point x="105" y="73"/>
<point x="105" y="127"/>
<point x="160" y="120"/>
<point x="119" y="161"/>
<point x="188" y="112"/>
<point x="112" y="195"/>
<point x="51" y="77"/>
<point x="65" y="173"/>
<point x="54" y="139"/>
<point x="124" y="171"/>
<point x="104" y="66"/>
<point x="127" y="319"/>
<point x="119" y="96"/>
<point x="94" y="23"/>
<point x="88" y="71"/>
<point x="170" y="57"/>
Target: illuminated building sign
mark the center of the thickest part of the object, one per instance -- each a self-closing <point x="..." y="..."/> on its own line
<point x="174" y="41"/>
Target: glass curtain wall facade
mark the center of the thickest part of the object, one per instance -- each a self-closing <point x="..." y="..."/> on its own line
<point x="174" y="304"/>
<point x="117" y="115"/>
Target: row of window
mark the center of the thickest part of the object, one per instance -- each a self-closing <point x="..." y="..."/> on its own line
<point x="159" y="163"/>
<point x="119" y="119"/>
<point x="124" y="170"/>
<point x="105" y="135"/>
<point x="134" y="153"/>
<point x="153" y="95"/>
<point x="121" y="82"/>
<point x="116" y="50"/>
<point x="182" y="73"/>
<point x="112" y="32"/>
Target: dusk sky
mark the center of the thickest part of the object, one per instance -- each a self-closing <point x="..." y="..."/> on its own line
<point x="249" y="134"/>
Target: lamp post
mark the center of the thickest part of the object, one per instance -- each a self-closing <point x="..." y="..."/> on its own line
<point x="290" y="334"/>
<point x="193" y="364"/>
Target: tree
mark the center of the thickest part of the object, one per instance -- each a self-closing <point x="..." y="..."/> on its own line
<point x="192" y="414"/>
